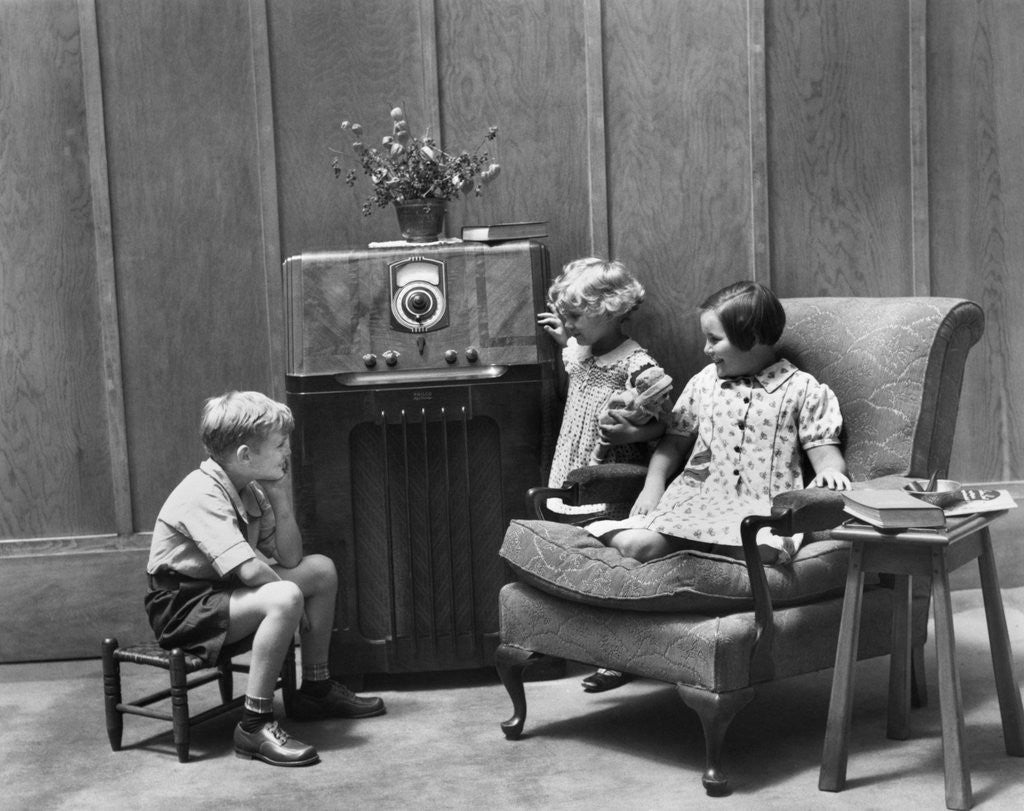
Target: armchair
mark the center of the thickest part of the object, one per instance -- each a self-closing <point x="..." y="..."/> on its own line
<point x="718" y="627"/>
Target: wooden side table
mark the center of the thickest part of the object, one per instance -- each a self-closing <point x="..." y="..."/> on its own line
<point x="907" y="554"/>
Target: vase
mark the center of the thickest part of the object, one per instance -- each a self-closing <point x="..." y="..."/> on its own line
<point x="421" y="220"/>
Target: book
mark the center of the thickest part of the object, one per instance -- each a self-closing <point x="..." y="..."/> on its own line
<point x="501" y="232"/>
<point x="892" y="509"/>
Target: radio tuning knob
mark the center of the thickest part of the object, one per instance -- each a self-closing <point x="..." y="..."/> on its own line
<point x="450" y="356"/>
<point x="471" y="354"/>
<point x="390" y="357"/>
<point x="370" y="360"/>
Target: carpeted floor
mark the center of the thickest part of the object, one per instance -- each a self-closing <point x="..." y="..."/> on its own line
<point x="440" y="746"/>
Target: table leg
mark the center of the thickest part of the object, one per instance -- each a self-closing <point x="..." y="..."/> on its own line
<point x="899" y="662"/>
<point x="1002" y="659"/>
<point x="833" y="759"/>
<point x="958" y="778"/>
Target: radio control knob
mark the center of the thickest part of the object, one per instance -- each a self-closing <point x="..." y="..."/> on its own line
<point x="370" y="360"/>
<point x="471" y="354"/>
<point x="450" y="356"/>
<point x="390" y="357"/>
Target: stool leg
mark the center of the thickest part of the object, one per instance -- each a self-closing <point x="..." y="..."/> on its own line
<point x="1010" y="708"/>
<point x="837" y="732"/>
<point x="898" y="727"/>
<point x="226" y="681"/>
<point x="112" y="694"/>
<point x="958" y="777"/>
<point x="179" y="703"/>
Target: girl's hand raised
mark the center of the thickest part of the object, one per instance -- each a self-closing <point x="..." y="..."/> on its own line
<point x="554" y="327"/>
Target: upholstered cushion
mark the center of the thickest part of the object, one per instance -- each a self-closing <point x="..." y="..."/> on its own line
<point x="566" y="561"/>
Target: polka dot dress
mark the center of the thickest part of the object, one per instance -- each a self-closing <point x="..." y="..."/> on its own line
<point x="749" y="435"/>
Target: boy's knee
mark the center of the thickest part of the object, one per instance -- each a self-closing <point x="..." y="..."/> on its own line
<point x="284" y="595"/>
<point x="324" y="571"/>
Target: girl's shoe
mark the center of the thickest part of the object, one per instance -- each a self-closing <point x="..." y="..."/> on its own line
<point x="605" y="679"/>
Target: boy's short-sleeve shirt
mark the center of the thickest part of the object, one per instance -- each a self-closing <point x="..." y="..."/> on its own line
<point x="198" y="532"/>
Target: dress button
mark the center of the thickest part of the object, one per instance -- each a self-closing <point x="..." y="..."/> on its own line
<point x="735" y="473"/>
<point x="737" y="448"/>
<point x="741" y="425"/>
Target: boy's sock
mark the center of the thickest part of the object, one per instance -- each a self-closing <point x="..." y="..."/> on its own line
<point x="256" y="712"/>
<point x="316" y="679"/>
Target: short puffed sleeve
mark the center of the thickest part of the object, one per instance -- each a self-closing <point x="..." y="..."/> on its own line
<point x="821" y="421"/>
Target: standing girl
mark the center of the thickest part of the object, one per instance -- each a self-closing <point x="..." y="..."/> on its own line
<point x="741" y="426"/>
<point x="589" y="305"/>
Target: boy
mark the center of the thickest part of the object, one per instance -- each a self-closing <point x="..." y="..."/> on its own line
<point x="209" y="588"/>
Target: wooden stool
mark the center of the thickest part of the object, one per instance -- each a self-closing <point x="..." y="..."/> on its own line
<point x="906" y="554"/>
<point x="180" y="665"/>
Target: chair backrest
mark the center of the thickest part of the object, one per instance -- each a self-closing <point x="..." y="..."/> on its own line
<point x="896" y="365"/>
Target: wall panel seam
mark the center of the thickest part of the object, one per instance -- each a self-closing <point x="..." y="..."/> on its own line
<point x="920" y="263"/>
<point x="270" y="228"/>
<point x="106" y="272"/>
<point x="757" y="90"/>
<point x="597" y="145"/>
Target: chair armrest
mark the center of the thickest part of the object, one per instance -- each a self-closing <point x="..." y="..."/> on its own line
<point x="810" y="510"/>
<point x="616" y="482"/>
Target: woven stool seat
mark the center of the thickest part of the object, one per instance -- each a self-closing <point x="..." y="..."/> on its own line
<point x="156" y="656"/>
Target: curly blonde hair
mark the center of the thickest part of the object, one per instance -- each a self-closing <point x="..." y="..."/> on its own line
<point x="596" y="286"/>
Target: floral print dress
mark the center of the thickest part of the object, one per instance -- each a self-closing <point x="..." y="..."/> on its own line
<point x="749" y="435"/>
<point x="592" y="380"/>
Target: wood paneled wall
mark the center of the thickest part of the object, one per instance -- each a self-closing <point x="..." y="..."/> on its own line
<point x="161" y="159"/>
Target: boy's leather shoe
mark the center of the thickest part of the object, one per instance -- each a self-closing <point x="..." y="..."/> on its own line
<point x="340" y="702"/>
<point x="273" y="745"/>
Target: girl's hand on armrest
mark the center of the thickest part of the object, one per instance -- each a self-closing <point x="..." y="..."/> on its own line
<point x="829" y="467"/>
<point x="832" y="479"/>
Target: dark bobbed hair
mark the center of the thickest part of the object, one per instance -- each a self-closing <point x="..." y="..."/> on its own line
<point x="750" y="314"/>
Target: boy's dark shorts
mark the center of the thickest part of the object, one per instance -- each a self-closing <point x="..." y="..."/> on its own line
<point x="190" y="614"/>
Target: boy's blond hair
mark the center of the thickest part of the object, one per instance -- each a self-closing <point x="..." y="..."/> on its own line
<point x="240" y="417"/>
<point x="596" y="286"/>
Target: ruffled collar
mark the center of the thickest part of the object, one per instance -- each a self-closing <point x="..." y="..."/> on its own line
<point x="623" y="350"/>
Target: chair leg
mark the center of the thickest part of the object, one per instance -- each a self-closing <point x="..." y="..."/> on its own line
<point x="179" y="703"/>
<point x="511" y="662"/>
<point x="716" y="711"/>
<point x="112" y="694"/>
